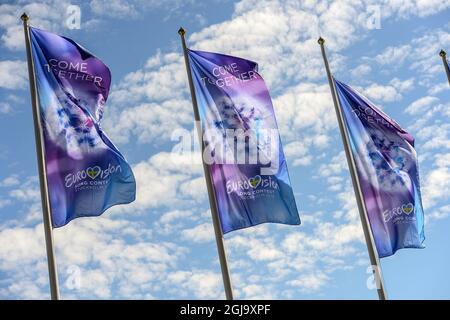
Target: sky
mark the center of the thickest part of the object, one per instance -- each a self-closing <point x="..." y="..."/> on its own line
<point x="162" y="246"/>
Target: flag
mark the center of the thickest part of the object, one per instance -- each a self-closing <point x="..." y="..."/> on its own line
<point x="246" y="163"/>
<point x="387" y="170"/>
<point x="446" y="64"/>
<point x="86" y="173"/>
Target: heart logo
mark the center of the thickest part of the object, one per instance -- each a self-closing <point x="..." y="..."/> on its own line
<point x="93" y="172"/>
<point x="408" y="208"/>
<point x="255" y="181"/>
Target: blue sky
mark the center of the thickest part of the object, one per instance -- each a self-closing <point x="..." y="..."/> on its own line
<point x="162" y="246"/>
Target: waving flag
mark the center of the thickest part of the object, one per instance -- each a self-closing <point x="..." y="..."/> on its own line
<point x="387" y="168"/>
<point x="446" y="63"/>
<point x="245" y="160"/>
<point x="86" y="173"/>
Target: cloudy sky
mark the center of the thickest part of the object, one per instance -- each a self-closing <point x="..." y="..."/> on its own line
<point x="162" y="246"/>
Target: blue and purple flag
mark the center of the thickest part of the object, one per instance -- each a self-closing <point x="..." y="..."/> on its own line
<point x="447" y="67"/>
<point x="86" y="173"/>
<point x="242" y="145"/>
<point x="387" y="169"/>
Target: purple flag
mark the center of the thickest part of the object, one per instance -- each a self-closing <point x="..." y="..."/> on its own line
<point x="86" y="173"/>
<point x="387" y="168"/>
<point x="243" y="150"/>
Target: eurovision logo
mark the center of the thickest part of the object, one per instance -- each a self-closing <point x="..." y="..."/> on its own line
<point x="397" y="212"/>
<point x="93" y="175"/>
<point x="251" y="183"/>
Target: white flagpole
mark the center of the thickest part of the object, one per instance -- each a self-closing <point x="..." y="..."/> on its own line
<point x="373" y="254"/>
<point x="212" y="199"/>
<point x="40" y="152"/>
<point x="443" y="55"/>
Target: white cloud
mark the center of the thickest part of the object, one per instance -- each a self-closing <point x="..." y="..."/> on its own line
<point x="28" y="190"/>
<point x="172" y="221"/>
<point x="21" y="246"/>
<point x="332" y="171"/>
<point x="436" y="186"/>
<point x="402" y="85"/>
<point x="201" y="19"/>
<point x="438" y="88"/>
<point x="204" y="283"/>
<point x="4" y="202"/>
<point x="46" y="14"/>
<point x="421" y="105"/>
<point x="195" y="189"/>
<point x="393" y="55"/>
<point x="174" y="215"/>
<point x="202" y="233"/>
<point x="164" y="83"/>
<point x="306" y="107"/>
<point x="382" y="93"/>
<point x="257" y="292"/>
<point x="114" y="8"/>
<point x="305" y="117"/>
<point x="310" y="282"/>
<point x="13" y="75"/>
<point x="132" y="9"/>
<point x="425" y="58"/>
<point x="361" y="71"/>
<point x="107" y="252"/>
<point x="419" y="55"/>
<point x="435" y="136"/>
<point x="387" y="93"/>
<point x="300" y="151"/>
<point x="438" y="214"/>
<point x="420" y="8"/>
<point x="5" y="108"/>
<point x="10" y="181"/>
<point x="163" y="181"/>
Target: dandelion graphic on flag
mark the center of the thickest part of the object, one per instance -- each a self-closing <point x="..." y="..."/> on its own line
<point x="86" y="173"/>
<point x="387" y="170"/>
<point x="235" y="106"/>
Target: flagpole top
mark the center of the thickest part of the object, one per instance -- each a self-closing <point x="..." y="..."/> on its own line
<point x="24" y="17"/>
<point x="321" y="41"/>
<point x="442" y="53"/>
<point x="181" y="31"/>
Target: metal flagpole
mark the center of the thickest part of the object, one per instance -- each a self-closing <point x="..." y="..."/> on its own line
<point x="373" y="255"/>
<point x="212" y="198"/>
<point x="45" y="200"/>
<point x="443" y="55"/>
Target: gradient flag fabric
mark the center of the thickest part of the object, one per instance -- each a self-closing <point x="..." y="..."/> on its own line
<point x="86" y="173"/>
<point x="387" y="168"/>
<point x="250" y="177"/>
<point x="447" y="67"/>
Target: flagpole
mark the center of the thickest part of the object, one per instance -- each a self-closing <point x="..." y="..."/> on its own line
<point x="212" y="198"/>
<point x="40" y="153"/>
<point x="443" y="55"/>
<point x="373" y="255"/>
